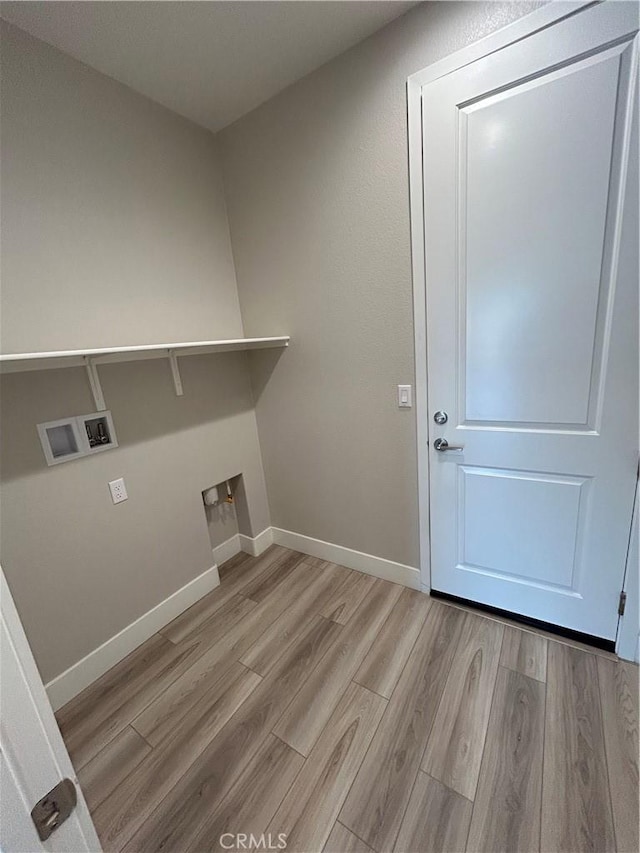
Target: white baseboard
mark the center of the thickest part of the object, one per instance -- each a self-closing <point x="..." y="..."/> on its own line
<point x="250" y="545"/>
<point x="228" y="549"/>
<point x="258" y="544"/>
<point x="367" y="563"/>
<point x="73" y="680"/>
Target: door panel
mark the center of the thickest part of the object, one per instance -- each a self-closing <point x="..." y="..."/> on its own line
<point x="545" y="315"/>
<point x="532" y="337"/>
<point x="524" y="503"/>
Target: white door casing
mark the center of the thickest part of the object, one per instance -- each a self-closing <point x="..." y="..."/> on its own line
<point x="33" y="757"/>
<point x="628" y="640"/>
<point x="526" y="235"/>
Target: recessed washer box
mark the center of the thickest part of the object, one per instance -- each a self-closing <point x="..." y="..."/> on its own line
<point x="71" y="438"/>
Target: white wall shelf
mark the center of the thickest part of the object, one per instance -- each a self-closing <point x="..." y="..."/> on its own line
<point x="18" y="362"/>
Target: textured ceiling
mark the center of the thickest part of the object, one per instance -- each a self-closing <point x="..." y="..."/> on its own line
<point x="209" y="61"/>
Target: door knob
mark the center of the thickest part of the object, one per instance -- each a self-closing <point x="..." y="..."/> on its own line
<point x="442" y="445"/>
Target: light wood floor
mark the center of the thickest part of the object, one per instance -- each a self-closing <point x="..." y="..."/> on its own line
<point x="354" y="715"/>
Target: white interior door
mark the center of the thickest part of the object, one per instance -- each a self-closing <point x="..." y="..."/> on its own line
<point x="33" y="757"/>
<point x="531" y="224"/>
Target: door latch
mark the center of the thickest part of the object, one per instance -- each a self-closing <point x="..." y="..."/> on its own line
<point x="54" y="808"/>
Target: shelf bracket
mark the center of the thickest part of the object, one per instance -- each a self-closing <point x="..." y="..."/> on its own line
<point x="94" y="382"/>
<point x="175" y="372"/>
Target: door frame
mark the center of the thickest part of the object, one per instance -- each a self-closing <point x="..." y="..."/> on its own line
<point x="628" y="638"/>
<point x="34" y="757"/>
<point x="540" y="19"/>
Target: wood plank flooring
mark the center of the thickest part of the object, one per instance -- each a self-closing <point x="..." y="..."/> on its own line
<point x="351" y="715"/>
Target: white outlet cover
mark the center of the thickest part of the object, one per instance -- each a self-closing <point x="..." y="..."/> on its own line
<point x="118" y="491"/>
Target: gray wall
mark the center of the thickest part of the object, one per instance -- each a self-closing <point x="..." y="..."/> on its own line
<point x="114" y="223"/>
<point x="317" y="192"/>
<point x="114" y="232"/>
<point x="80" y="568"/>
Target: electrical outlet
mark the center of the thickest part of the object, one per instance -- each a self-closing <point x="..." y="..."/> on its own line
<point x="118" y="491"/>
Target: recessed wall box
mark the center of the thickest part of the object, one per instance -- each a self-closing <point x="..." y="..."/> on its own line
<point x="71" y="438"/>
<point x="61" y="441"/>
<point x="97" y="431"/>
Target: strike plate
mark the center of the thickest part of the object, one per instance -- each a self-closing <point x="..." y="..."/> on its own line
<point x="54" y="808"/>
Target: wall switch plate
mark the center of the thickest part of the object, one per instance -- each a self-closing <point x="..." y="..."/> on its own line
<point x="404" y="396"/>
<point x="118" y="491"/>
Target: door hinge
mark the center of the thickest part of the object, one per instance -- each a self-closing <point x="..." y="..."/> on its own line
<point x="622" y="603"/>
<point x="54" y="808"/>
